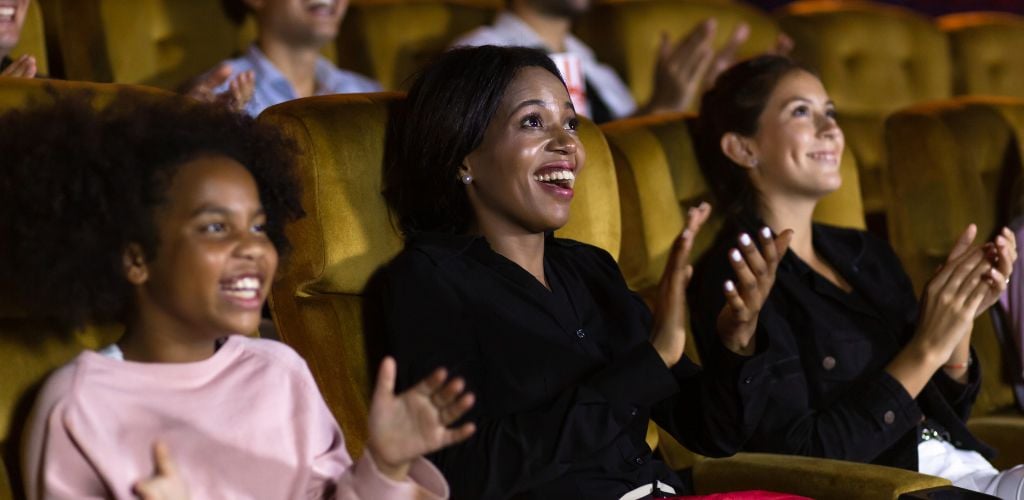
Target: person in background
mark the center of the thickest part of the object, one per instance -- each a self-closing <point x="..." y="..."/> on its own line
<point x="12" y="18"/>
<point x="285" y="63"/>
<point x="683" y="69"/>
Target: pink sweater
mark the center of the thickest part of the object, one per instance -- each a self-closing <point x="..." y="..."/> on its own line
<point x="246" y="423"/>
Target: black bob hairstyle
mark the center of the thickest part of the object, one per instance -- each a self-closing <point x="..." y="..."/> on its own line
<point x="443" y="120"/>
<point x="80" y="185"/>
<point x="734" y="104"/>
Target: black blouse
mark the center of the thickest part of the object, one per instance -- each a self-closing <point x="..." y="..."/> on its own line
<point x="565" y="379"/>
<point x="817" y="384"/>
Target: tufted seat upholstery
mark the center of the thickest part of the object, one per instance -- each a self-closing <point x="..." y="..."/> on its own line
<point x="30" y="348"/>
<point x="33" y="38"/>
<point x="986" y="49"/>
<point x="626" y="33"/>
<point x="347" y="235"/>
<point x="390" y="40"/>
<point x="160" y="43"/>
<point x="873" y="60"/>
<point x="966" y="157"/>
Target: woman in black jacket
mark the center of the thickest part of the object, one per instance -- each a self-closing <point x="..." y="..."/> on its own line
<point x="845" y="363"/>
<point x="567" y="364"/>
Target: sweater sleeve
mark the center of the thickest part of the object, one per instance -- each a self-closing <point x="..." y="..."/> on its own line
<point x="53" y="465"/>
<point x="334" y="470"/>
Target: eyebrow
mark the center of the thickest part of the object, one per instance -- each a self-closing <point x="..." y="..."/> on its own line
<point x="537" y="102"/>
<point x="785" y="103"/>
<point x="208" y="209"/>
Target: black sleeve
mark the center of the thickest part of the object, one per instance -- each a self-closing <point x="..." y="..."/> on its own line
<point x="774" y="393"/>
<point x="429" y="325"/>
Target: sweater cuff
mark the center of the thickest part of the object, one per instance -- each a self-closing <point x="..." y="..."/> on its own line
<point x="640" y="377"/>
<point x="423" y="481"/>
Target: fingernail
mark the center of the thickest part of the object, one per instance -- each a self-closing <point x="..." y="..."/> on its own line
<point x="745" y="240"/>
<point x="766" y="232"/>
<point x="729" y="286"/>
<point x="735" y="255"/>
<point x="686" y="234"/>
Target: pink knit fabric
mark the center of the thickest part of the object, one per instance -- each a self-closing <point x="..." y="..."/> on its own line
<point x="248" y="422"/>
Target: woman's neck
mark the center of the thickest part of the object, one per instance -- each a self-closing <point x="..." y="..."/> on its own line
<point x="798" y="216"/>
<point x="523" y="248"/>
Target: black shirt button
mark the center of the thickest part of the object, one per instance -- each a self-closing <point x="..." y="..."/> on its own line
<point x="580" y="333"/>
<point x="889" y="417"/>
<point x="748" y="380"/>
<point x="856" y="269"/>
<point x="638" y="460"/>
<point x="828" y="363"/>
<point x="632" y="411"/>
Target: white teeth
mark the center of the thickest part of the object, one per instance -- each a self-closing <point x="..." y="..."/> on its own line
<point x="7" y="11"/>
<point x="557" y="175"/>
<point x="248" y="284"/>
<point x="242" y="294"/>
<point x="320" y="3"/>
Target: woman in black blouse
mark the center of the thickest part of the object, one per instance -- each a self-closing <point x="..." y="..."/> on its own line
<point x="846" y="363"/>
<point x="567" y="364"/>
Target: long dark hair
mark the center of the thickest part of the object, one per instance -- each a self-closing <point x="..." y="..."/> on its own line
<point x="734" y="105"/>
<point x="443" y="120"/>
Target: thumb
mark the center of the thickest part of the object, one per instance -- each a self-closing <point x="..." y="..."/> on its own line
<point x="782" y="242"/>
<point x="162" y="459"/>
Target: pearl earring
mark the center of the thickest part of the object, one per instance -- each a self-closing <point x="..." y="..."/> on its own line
<point x="466" y="179"/>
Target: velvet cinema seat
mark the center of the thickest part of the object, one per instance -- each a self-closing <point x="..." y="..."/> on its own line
<point x="986" y="49"/>
<point x="33" y="38"/>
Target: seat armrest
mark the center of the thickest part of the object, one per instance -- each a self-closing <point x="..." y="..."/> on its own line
<point x="812" y="477"/>
<point x="1005" y="433"/>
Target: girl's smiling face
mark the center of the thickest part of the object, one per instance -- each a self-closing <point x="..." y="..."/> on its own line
<point x="214" y="262"/>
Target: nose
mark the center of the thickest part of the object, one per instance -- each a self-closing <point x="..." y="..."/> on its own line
<point x="828" y="128"/>
<point x="565" y="143"/>
<point x="253" y="247"/>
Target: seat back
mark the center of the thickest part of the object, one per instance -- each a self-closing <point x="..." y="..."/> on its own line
<point x="659" y="177"/>
<point x="873" y="60"/>
<point x="390" y="40"/>
<point x="31" y="348"/>
<point x="626" y="34"/>
<point x="33" y="38"/>
<point x="954" y="162"/>
<point x="986" y="48"/>
<point x="348" y="234"/>
<point x="160" y="43"/>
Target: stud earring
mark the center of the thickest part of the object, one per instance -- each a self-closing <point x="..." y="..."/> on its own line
<point x="466" y="179"/>
<point x="753" y="162"/>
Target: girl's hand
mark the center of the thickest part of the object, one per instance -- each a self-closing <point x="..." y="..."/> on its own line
<point x="1002" y="253"/>
<point x="166" y="483"/>
<point x="407" y="426"/>
<point x="755" y="275"/>
<point x="668" y="335"/>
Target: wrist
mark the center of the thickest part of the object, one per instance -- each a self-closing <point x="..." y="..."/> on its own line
<point x="926" y="355"/>
<point x="395" y="471"/>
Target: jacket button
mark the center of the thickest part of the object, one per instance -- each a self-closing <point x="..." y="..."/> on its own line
<point x="638" y="460"/>
<point x="748" y="380"/>
<point x="889" y="417"/>
<point x="632" y="411"/>
<point x="580" y="333"/>
<point x="828" y="363"/>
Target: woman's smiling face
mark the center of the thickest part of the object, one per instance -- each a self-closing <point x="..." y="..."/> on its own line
<point x="524" y="170"/>
<point x="798" y="145"/>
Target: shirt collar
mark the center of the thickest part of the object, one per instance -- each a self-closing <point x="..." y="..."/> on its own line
<point x="508" y="22"/>
<point x="268" y="74"/>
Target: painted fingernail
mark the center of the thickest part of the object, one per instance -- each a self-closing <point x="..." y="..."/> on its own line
<point x="686" y="234"/>
<point x="766" y="232"/>
<point x="735" y="255"/>
<point x="729" y="286"/>
<point x="745" y="240"/>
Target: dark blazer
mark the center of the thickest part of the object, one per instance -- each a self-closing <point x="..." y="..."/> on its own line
<point x="817" y="384"/>
<point x="565" y="379"/>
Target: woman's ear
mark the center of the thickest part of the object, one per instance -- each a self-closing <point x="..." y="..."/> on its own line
<point x="738" y="149"/>
<point x="135" y="269"/>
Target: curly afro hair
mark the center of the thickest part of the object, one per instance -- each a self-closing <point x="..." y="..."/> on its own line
<point x="78" y="186"/>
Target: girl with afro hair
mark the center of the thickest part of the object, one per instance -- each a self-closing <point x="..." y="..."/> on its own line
<point x="168" y="216"/>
